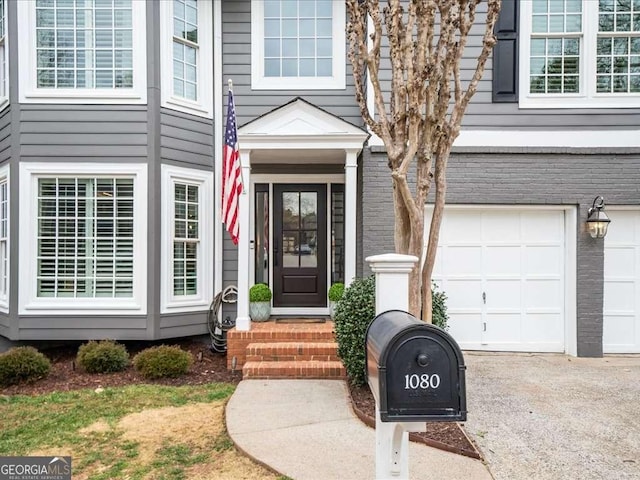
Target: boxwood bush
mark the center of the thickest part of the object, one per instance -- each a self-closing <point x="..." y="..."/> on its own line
<point x="22" y="364"/>
<point x="162" y="361"/>
<point x="105" y="356"/>
<point x="354" y="313"/>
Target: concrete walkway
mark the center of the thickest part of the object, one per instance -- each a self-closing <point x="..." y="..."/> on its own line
<point x="306" y="430"/>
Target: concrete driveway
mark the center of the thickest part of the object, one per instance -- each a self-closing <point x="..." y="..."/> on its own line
<point x="543" y="416"/>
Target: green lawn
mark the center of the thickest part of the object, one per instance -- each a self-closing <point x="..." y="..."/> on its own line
<point x="88" y="425"/>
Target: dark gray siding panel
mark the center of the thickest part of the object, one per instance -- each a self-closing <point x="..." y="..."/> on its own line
<point x="186" y="139"/>
<point x="183" y="325"/>
<point x="90" y="133"/>
<point x="236" y="53"/>
<point x="5" y="134"/>
<point x="522" y="179"/>
<point x="83" y="328"/>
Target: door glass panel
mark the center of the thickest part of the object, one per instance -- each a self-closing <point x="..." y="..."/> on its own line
<point x="300" y="229"/>
<point x="290" y="257"/>
<point x="262" y="235"/>
<point x="290" y="210"/>
<point x="308" y="252"/>
<point x="309" y="208"/>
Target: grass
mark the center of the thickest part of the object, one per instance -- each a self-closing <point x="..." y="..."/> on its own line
<point x="92" y="427"/>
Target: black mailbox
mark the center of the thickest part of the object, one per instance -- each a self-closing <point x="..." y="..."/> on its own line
<point x="415" y="370"/>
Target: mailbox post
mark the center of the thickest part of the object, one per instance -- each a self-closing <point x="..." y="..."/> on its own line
<point x="415" y="370"/>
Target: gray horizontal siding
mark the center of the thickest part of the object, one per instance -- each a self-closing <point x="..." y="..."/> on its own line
<point x="83" y="133"/>
<point x="482" y="113"/>
<point x="186" y="138"/>
<point x="183" y="325"/>
<point x="236" y="58"/>
<point x="5" y="134"/>
<point x="83" y="327"/>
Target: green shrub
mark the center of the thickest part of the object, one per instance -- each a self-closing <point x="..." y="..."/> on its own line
<point x="336" y="291"/>
<point x="105" y="356"/>
<point x="162" y="361"/>
<point x="439" y="308"/>
<point x="353" y="314"/>
<point x="260" y="292"/>
<point x="22" y="364"/>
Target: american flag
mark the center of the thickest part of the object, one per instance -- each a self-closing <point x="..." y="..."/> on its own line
<point x="231" y="174"/>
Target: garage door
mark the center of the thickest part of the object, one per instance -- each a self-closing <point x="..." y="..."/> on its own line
<point x="503" y="273"/>
<point x="622" y="283"/>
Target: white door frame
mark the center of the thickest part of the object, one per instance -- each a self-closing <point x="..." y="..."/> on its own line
<point x="271" y="179"/>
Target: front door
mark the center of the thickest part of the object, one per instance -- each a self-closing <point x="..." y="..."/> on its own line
<point x="299" y="245"/>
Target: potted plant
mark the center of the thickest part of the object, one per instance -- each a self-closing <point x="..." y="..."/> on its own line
<point x="260" y="302"/>
<point x="335" y="294"/>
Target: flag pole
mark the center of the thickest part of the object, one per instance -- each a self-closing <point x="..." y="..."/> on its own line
<point x="244" y="190"/>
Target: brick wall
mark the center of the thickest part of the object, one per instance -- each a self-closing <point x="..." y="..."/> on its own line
<point x="521" y="177"/>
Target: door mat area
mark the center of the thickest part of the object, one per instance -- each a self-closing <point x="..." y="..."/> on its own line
<point x="301" y="320"/>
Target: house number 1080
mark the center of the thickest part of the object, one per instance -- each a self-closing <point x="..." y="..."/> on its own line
<point x="424" y="381"/>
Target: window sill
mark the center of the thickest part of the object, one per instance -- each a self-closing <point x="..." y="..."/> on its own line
<point x="186" y="106"/>
<point x="178" y="306"/>
<point x="92" y="306"/>
<point x="298" y="83"/>
<point x="631" y="100"/>
<point x="83" y="97"/>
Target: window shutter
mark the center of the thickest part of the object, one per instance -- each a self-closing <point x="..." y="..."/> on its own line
<point x="505" y="54"/>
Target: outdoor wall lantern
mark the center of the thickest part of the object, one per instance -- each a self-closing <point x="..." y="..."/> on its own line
<point x="597" y="221"/>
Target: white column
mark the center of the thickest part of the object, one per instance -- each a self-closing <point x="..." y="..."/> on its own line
<point x="243" y="321"/>
<point x="392" y="280"/>
<point x="350" y="209"/>
<point x="392" y="293"/>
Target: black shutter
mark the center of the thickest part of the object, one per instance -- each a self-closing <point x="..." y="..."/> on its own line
<point x="505" y="54"/>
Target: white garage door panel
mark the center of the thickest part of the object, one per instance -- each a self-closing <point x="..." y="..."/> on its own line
<point x="503" y="273"/>
<point x="622" y="283"/>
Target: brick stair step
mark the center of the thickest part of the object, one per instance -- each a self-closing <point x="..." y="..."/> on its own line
<point x="279" y="351"/>
<point x="294" y="369"/>
<point x="284" y="335"/>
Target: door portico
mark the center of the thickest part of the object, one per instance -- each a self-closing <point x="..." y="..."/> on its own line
<point x="301" y="138"/>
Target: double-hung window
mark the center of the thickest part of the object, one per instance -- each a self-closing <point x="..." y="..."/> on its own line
<point x="4" y="239"/>
<point x="298" y="44"/>
<point x="187" y="52"/>
<point x="187" y="239"/>
<point x="82" y="49"/>
<point x="83" y="238"/>
<point x="580" y="53"/>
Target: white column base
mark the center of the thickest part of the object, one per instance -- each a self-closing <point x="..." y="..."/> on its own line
<point x="243" y="324"/>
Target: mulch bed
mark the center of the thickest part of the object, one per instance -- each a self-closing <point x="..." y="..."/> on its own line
<point x="210" y="367"/>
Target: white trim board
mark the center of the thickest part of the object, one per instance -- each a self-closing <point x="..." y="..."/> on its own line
<point x="543" y="138"/>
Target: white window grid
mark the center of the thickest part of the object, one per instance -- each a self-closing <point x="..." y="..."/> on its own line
<point x="84" y="44"/>
<point x="618" y="50"/>
<point x="85" y="237"/>
<point x="185" y="49"/>
<point x="554" y="65"/>
<point x="298" y="38"/>
<point x="186" y="239"/>
<point x="4" y="241"/>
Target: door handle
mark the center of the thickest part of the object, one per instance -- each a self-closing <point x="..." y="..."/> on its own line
<point x="484" y="298"/>
<point x="275" y="253"/>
